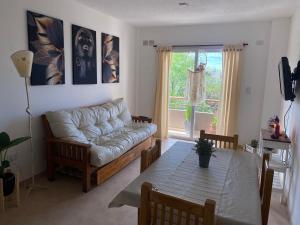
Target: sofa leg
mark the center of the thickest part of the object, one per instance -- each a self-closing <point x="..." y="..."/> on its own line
<point x="86" y="181"/>
<point x="50" y="163"/>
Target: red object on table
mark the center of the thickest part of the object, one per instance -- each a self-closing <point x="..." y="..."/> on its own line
<point x="276" y="134"/>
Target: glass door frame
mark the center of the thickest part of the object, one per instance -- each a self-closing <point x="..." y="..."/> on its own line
<point x="196" y="50"/>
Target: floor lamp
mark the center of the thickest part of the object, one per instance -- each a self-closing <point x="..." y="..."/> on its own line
<point x="23" y="62"/>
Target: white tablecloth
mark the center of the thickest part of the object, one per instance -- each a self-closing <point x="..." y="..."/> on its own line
<point x="231" y="180"/>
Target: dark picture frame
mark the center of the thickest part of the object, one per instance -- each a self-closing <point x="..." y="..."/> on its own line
<point x="46" y="41"/>
<point x="84" y="62"/>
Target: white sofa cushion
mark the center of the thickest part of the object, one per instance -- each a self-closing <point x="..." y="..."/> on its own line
<point x="108" y="128"/>
<point x="109" y="147"/>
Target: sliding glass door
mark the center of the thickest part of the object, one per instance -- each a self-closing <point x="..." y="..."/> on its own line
<point x="186" y="120"/>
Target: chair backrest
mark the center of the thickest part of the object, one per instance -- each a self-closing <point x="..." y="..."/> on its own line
<point x="266" y="183"/>
<point x="161" y="209"/>
<point x="221" y="141"/>
<point x="148" y="156"/>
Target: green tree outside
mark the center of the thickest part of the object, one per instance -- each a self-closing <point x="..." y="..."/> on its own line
<point x="181" y="62"/>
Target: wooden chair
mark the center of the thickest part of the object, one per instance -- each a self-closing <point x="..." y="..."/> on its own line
<point x="158" y="208"/>
<point x="266" y="182"/>
<point x="148" y="156"/>
<point x="221" y="141"/>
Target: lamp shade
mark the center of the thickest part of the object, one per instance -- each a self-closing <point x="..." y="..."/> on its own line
<point x="23" y="62"/>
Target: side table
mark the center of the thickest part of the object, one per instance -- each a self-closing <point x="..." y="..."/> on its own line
<point x="279" y="164"/>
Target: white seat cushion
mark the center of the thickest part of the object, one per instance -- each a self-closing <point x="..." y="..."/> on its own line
<point x="108" y="128"/>
<point x="109" y="147"/>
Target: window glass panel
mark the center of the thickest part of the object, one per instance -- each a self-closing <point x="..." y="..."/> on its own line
<point x="181" y="113"/>
<point x="181" y="62"/>
<point x="213" y="80"/>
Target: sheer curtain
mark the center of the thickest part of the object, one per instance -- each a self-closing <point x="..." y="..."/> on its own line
<point x="160" y="117"/>
<point x="228" y="113"/>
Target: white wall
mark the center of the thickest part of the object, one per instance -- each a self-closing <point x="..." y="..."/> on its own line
<point x="277" y="48"/>
<point x="12" y="98"/>
<point x="253" y="73"/>
<point x="294" y="122"/>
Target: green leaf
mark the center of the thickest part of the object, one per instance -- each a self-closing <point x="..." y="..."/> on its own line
<point x="17" y="141"/>
<point x="6" y="143"/>
<point x="5" y="164"/>
<point x="4" y="140"/>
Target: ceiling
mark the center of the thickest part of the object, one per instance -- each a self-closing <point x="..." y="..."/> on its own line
<point x="168" y="12"/>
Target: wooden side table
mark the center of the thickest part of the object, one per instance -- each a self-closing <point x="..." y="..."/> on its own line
<point x="279" y="164"/>
<point x="15" y="195"/>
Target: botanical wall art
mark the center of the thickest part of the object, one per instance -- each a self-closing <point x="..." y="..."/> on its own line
<point x="110" y="59"/>
<point x="46" y="40"/>
<point x="84" y="55"/>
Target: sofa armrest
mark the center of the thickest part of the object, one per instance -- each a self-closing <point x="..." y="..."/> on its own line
<point x="141" y="119"/>
<point x="67" y="142"/>
<point x="69" y="153"/>
<point x="70" y="150"/>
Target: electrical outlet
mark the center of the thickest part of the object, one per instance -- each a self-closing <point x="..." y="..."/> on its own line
<point x="145" y="42"/>
<point x="151" y="42"/>
<point x="259" y="42"/>
<point x="248" y="90"/>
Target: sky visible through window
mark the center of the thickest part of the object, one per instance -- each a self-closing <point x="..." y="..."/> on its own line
<point x="214" y="61"/>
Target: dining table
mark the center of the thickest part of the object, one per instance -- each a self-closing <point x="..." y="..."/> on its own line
<point x="231" y="180"/>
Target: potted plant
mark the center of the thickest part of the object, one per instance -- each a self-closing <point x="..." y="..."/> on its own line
<point x="204" y="150"/>
<point x="188" y="117"/>
<point x="7" y="177"/>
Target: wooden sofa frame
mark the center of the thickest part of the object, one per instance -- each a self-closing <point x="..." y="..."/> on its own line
<point x="63" y="153"/>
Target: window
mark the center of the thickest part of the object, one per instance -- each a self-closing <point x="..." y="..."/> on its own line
<point x="185" y="120"/>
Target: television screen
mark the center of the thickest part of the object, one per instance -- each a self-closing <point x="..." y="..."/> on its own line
<point x="285" y="79"/>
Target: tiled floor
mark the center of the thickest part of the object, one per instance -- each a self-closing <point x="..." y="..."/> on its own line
<point x="63" y="203"/>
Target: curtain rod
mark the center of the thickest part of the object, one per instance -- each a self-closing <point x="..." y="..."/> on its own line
<point x="212" y="45"/>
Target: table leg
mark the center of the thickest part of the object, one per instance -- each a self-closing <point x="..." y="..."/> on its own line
<point x="2" y="198"/>
<point x="282" y="198"/>
<point x="260" y="146"/>
<point x="138" y="216"/>
<point x="16" y="192"/>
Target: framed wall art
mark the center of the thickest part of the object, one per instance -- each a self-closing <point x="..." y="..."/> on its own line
<point x="46" y="41"/>
<point x="110" y="59"/>
<point x="84" y="55"/>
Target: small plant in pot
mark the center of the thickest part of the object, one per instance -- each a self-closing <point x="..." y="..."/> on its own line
<point x="204" y="149"/>
<point x="8" y="177"/>
<point x="188" y="117"/>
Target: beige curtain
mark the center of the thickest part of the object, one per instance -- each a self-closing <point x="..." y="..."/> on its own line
<point x="160" y="117"/>
<point x="228" y="113"/>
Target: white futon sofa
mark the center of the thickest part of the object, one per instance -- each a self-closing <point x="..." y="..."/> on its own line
<point x="99" y="140"/>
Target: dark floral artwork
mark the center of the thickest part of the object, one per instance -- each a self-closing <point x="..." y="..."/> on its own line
<point x="84" y="55"/>
<point x="46" y="41"/>
<point x="110" y="59"/>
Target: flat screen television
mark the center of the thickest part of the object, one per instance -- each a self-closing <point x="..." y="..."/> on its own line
<point x="286" y="80"/>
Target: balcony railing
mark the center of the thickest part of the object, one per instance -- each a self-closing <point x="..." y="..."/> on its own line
<point x="207" y="105"/>
<point x="205" y="115"/>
